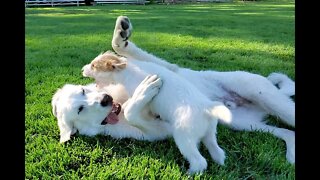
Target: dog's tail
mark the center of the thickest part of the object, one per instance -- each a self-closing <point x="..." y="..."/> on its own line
<point x="219" y="111"/>
<point x="283" y="82"/>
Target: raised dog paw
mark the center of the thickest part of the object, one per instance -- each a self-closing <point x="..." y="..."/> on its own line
<point x="142" y="95"/>
<point x="122" y="32"/>
<point x="148" y="88"/>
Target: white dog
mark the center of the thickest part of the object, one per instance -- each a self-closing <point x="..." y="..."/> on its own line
<point x="93" y="111"/>
<point x="250" y="97"/>
<point x="192" y="116"/>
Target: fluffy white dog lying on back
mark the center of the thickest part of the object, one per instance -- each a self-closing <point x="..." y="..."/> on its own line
<point x="192" y="116"/>
<point x="250" y="97"/>
<point x="93" y="111"/>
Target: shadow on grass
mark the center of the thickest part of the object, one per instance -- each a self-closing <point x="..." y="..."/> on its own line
<point x="166" y="153"/>
<point x="128" y="148"/>
<point x="262" y="23"/>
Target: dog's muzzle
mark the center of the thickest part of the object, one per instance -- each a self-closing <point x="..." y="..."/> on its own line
<point x="107" y="100"/>
<point x="86" y="72"/>
<point x="112" y="117"/>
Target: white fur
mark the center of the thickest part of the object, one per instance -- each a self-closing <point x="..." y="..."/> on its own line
<point x="285" y="84"/>
<point x="249" y="96"/>
<point x="67" y="100"/>
<point x="191" y="115"/>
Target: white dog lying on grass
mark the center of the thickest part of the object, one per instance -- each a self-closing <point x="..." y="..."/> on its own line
<point x="250" y="97"/>
<point x="192" y="116"/>
<point x="93" y="111"/>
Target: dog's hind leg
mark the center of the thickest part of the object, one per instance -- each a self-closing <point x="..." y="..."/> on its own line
<point x="268" y="97"/>
<point x="277" y="104"/>
<point x="261" y="92"/>
<point x="248" y="88"/>
<point x="188" y="146"/>
<point x="251" y="120"/>
<point x="264" y="94"/>
<point x="284" y="83"/>
<point x="210" y="141"/>
<point x="287" y="135"/>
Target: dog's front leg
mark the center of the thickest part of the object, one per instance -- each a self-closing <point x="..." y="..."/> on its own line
<point x="136" y="110"/>
<point x="143" y="94"/>
<point x="122" y="46"/>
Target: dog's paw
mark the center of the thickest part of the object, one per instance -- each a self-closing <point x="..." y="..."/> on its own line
<point x="290" y="155"/>
<point x="148" y="88"/>
<point x="219" y="157"/>
<point x="197" y="166"/>
<point x="122" y="32"/>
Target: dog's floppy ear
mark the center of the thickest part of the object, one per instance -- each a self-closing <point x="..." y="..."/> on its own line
<point x="54" y="101"/>
<point x="114" y="62"/>
<point x="119" y="65"/>
<point x="66" y="129"/>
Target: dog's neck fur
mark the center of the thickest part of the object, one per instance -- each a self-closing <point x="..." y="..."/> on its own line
<point x="130" y="77"/>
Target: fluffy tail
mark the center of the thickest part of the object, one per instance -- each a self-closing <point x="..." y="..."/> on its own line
<point x="285" y="84"/>
<point x="220" y="111"/>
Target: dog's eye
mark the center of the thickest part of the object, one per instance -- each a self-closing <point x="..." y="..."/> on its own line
<point x="92" y="65"/>
<point x="80" y="109"/>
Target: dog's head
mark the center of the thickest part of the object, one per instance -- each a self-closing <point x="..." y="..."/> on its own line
<point x="103" y="66"/>
<point x="82" y="106"/>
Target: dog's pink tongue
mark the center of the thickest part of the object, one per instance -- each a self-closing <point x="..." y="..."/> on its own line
<point x="112" y="118"/>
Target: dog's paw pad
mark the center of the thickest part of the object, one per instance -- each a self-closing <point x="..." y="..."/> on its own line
<point x="123" y="34"/>
<point x="125" y="23"/>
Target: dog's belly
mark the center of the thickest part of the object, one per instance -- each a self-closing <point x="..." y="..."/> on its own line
<point x="232" y="100"/>
<point x="168" y="101"/>
<point x="209" y="83"/>
<point x="216" y="91"/>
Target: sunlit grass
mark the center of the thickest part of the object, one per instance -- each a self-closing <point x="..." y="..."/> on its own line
<point x="256" y="37"/>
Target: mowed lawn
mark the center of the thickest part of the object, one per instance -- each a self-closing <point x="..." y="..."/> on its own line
<point x="258" y="37"/>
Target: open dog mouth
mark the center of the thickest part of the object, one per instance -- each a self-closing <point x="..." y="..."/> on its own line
<point x="112" y="117"/>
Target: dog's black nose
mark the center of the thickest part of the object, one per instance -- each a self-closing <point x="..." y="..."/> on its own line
<point x="107" y="100"/>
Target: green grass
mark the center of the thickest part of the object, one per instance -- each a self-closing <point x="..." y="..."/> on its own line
<point x="258" y="37"/>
